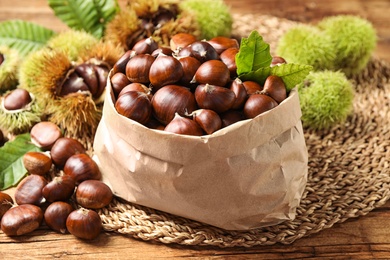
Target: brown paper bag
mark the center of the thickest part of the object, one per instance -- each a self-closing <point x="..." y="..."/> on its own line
<point x="248" y="175"/>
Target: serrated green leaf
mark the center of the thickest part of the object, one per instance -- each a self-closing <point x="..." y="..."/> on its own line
<point x="291" y="74"/>
<point x="24" y="36"/>
<point x="254" y="54"/>
<point x="11" y="160"/>
<point x="90" y="16"/>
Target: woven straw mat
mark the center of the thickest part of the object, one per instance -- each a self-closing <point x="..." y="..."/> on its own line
<point x="349" y="169"/>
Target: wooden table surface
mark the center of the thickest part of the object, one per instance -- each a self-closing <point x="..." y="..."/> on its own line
<point x="366" y="237"/>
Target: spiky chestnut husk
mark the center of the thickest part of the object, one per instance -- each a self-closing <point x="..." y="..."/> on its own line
<point x="47" y="71"/>
<point x="21" y="120"/>
<point x="354" y="41"/>
<point x="9" y="64"/>
<point x="326" y="99"/>
<point x="135" y="22"/>
<point x="213" y="17"/>
<point x="306" y="44"/>
<point x="72" y="42"/>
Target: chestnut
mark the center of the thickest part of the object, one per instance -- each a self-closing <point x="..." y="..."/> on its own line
<point x="2" y="138"/>
<point x="120" y="65"/>
<point x="21" y="220"/>
<point x="229" y="58"/>
<point x="93" y="194"/>
<point x="87" y="72"/>
<point x="84" y="223"/>
<point x="213" y="72"/>
<point x="6" y="203"/>
<point x="277" y="60"/>
<point x="64" y="148"/>
<point x="29" y="190"/>
<point x="162" y="51"/>
<point x="203" y="51"/>
<point x="44" y="134"/>
<point x="60" y="188"/>
<point x="56" y="214"/>
<point x="240" y="92"/>
<point x="257" y="104"/>
<point x="252" y="87"/>
<point x="231" y="116"/>
<point x="118" y="82"/>
<point x="275" y="87"/>
<point x="165" y="70"/>
<point x="172" y="99"/>
<point x="216" y="98"/>
<point x="138" y="67"/>
<point x="145" y="46"/>
<point x="136" y="87"/>
<point x="81" y="167"/>
<point x="181" y="40"/>
<point x="222" y="43"/>
<point x="184" y="126"/>
<point x="207" y="119"/>
<point x="134" y="105"/>
<point x="190" y="66"/>
<point x="37" y="163"/>
<point x="17" y="99"/>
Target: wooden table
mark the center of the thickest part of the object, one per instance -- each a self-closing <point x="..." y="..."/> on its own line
<point x="362" y="238"/>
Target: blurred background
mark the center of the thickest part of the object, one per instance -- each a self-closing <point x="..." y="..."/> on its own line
<point x="309" y="11"/>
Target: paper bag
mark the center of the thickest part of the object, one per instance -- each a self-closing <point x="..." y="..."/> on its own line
<point x="248" y="175"/>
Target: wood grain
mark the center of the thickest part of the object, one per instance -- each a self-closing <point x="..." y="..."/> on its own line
<point x="361" y="238"/>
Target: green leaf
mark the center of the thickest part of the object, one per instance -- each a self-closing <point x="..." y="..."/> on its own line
<point x="11" y="160"/>
<point x="254" y="54"/>
<point x="90" y="16"/>
<point x="291" y="74"/>
<point x="24" y="36"/>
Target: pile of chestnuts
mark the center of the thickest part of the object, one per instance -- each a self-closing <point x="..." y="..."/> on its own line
<point x="53" y="198"/>
<point x="190" y="87"/>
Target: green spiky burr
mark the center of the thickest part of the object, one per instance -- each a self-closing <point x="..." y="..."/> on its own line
<point x="9" y="64"/>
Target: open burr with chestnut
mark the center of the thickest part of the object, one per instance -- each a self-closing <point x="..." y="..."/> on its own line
<point x="191" y="76"/>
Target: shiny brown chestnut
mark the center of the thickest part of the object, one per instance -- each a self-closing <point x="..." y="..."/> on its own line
<point x="190" y="66"/>
<point x="21" y="220"/>
<point x="93" y="194"/>
<point x="203" y="51"/>
<point x="138" y="67"/>
<point x="231" y="116"/>
<point x="258" y="104"/>
<point x="229" y="58"/>
<point x="213" y="97"/>
<point x="239" y="90"/>
<point x="275" y="88"/>
<point x="44" y="134"/>
<point x="81" y="167"/>
<point x="6" y="203"/>
<point x="134" y="105"/>
<point x="172" y="99"/>
<point x="136" y="87"/>
<point x="207" y="119"/>
<point x="60" y="188"/>
<point x="184" y="126"/>
<point x="252" y="87"/>
<point x="84" y="223"/>
<point x="222" y="43"/>
<point x="120" y="65"/>
<point x="212" y="72"/>
<point x="162" y="51"/>
<point x="165" y="70"/>
<point x="277" y="60"/>
<point x="37" y="163"/>
<point x="118" y="82"/>
<point x="64" y="148"/>
<point x="17" y="99"/>
<point x="145" y="46"/>
<point x="181" y="40"/>
<point x="29" y="190"/>
<point x="56" y="214"/>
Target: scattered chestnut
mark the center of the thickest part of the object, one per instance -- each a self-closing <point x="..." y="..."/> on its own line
<point x="213" y="72"/>
<point x="37" y="163"/>
<point x="29" y="190"/>
<point x="207" y="119"/>
<point x="84" y="223"/>
<point x="239" y="90"/>
<point x="17" y="99"/>
<point x="184" y="126"/>
<point x="21" y="220"/>
<point x="216" y="98"/>
<point x="221" y="43"/>
<point x="134" y="105"/>
<point x="60" y="188"/>
<point x="93" y="194"/>
<point x="165" y="70"/>
<point x="275" y="87"/>
<point x="181" y="40"/>
<point x="56" y="215"/>
<point x="64" y="148"/>
<point x="44" y="134"/>
<point x="138" y="67"/>
<point x="257" y="104"/>
<point x="6" y="203"/>
<point x="81" y="167"/>
<point x="172" y="99"/>
<point x="118" y="82"/>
